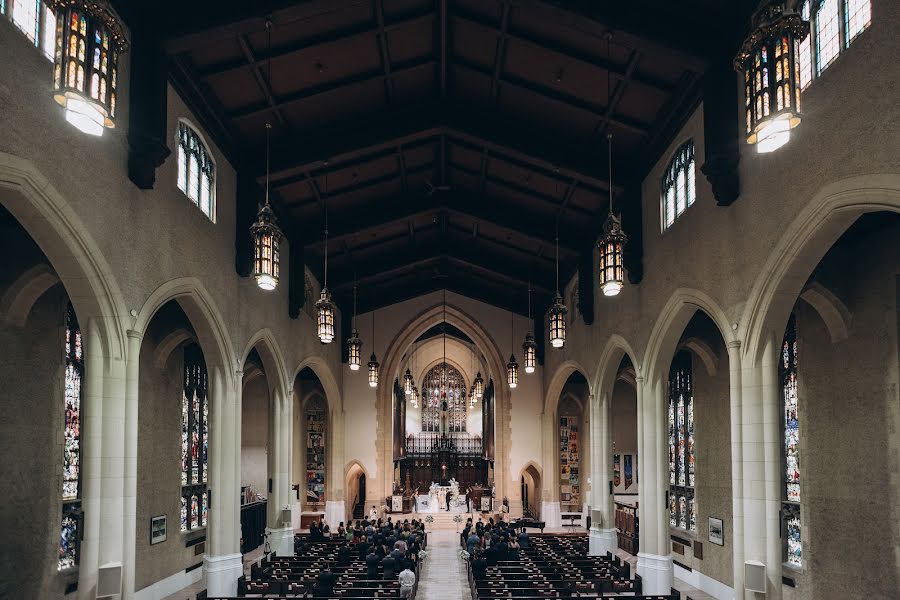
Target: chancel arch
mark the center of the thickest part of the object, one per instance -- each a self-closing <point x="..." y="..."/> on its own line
<point x="487" y="354"/>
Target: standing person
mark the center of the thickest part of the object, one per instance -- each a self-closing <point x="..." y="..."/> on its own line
<point x="524" y="542"/>
<point x="389" y="567"/>
<point x="373" y="514"/>
<point x="372" y="562"/>
<point x="325" y="582"/>
<point x="407" y="581"/>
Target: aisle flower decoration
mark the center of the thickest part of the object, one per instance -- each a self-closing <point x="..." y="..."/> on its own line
<point x="463" y="555"/>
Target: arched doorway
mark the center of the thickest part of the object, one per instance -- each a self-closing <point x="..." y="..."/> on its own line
<point x="530" y="481"/>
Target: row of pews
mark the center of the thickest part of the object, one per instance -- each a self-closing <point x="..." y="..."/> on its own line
<point x="558" y="566"/>
<point x="288" y="578"/>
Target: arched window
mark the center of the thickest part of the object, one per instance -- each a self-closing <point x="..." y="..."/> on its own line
<point x="70" y="532"/>
<point x="444" y="384"/>
<point x="194" y="442"/>
<point x="678" y="185"/>
<point x="315" y="451"/>
<point x="35" y="19"/>
<point x="196" y="170"/>
<point x="834" y="24"/>
<point x="793" y="545"/>
<point x="682" y="509"/>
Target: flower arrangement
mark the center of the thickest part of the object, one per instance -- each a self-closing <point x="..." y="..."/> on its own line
<point x="457" y="518"/>
<point x="423" y="554"/>
<point x="429" y="519"/>
<point x="463" y="554"/>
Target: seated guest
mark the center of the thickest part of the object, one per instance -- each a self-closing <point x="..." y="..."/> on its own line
<point x="325" y="582"/>
<point x="407" y="581"/>
<point x="472" y="542"/>
<point x="343" y="555"/>
<point x="513" y="549"/>
<point x="389" y="567"/>
<point x="524" y="542"/>
<point x="372" y="562"/>
<point x="479" y="566"/>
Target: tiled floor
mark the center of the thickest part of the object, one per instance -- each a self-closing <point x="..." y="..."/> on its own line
<point x="443" y="575"/>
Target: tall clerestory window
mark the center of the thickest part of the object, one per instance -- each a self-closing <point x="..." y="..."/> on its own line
<point x="444" y="384"/>
<point x="196" y="170"/>
<point x="194" y="442"/>
<point x="793" y="544"/>
<point x="682" y="509"/>
<point x="834" y="25"/>
<point x="679" y="189"/>
<point x="70" y="532"/>
<point x="36" y="20"/>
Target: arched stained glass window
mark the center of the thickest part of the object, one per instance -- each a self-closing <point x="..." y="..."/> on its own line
<point x="679" y="188"/>
<point x="793" y="545"/>
<point x="444" y="389"/>
<point x="196" y="170"/>
<point x="682" y="510"/>
<point x="70" y="532"/>
<point x="194" y="439"/>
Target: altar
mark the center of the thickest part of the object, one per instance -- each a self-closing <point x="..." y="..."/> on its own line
<point x="436" y="499"/>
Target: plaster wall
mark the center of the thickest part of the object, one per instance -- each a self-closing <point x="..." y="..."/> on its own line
<point x="623" y="417"/>
<point x="849" y="417"/>
<point x="255" y="435"/>
<point x="32" y="372"/>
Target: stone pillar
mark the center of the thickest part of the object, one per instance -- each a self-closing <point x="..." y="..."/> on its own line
<point x="222" y="562"/>
<point x="772" y="444"/>
<point x="281" y="532"/>
<point x="132" y="386"/>
<point x="335" y="507"/>
<point x="602" y="536"/>
<point x="735" y="370"/>
<point x="654" y="561"/>
<point x="91" y="475"/>
<point x="550" y="510"/>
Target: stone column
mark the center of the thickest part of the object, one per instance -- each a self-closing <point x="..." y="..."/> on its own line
<point x="335" y="507"/>
<point x="772" y="444"/>
<point x="602" y="536"/>
<point x="281" y="532"/>
<point x="91" y="474"/>
<point x="132" y="387"/>
<point x="222" y="562"/>
<point x="654" y="561"/>
<point x="550" y="510"/>
<point x="735" y="370"/>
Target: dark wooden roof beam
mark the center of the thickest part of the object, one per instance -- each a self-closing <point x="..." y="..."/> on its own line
<point x="384" y="51"/>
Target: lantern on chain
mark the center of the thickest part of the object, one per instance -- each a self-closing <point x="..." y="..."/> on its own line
<point x="769" y="60"/>
<point x="89" y="40"/>
<point x="266" y="238"/>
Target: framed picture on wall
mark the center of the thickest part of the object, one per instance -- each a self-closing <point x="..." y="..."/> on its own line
<point x="716" y="531"/>
<point x="157" y="529"/>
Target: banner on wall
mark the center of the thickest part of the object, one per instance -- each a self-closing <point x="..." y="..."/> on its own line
<point x="625" y="473"/>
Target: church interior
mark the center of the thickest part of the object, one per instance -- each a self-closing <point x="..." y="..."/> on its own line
<point x="586" y="281"/>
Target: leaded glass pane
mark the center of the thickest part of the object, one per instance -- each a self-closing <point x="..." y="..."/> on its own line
<point x="444" y="384"/>
<point x="794" y="541"/>
<point x="859" y="16"/>
<point x="828" y="36"/>
<point x="793" y="545"/>
<point x="68" y="540"/>
<point x="49" y="33"/>
<point x="194" y="442"/>
<point x="184" y="514"/>
<point x="26" y="16"/>
<point x="691" y="187"/>
<point x="72" y="396"/>
<point x="196" y="172"/>
<point x="678" y="185"/>
<point x="682" y="506"/>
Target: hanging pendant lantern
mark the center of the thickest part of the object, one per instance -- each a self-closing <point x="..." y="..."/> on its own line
<point x="558" y="322"/>
<point x="769" y="59"/>
<point x="373" y="371"/>
<point x="89" y="39"/>
<point x="612" y="248"/>
<point x="530" y="350"/>
<point x="479" y="386"/>
<point x="408" y="383"/>
<point x="325" y="317"/>
<point x="266" y="238"/>
<point x="512" y="372"/>
<point x="354" y="346"/>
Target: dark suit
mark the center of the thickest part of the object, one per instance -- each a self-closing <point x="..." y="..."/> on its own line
<point x="397" y="555"/>
<point x="372" y="562"/>
<point x="325" y="583"/>
<point x="390" y="566"/>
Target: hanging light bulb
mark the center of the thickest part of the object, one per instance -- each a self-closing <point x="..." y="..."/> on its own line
<point x="354" y="344"/>
<point x="512" y="367"/>
<point x="266" y="238"/>
<point x="612" y="245"/>
<point x="89" y="39"/>
<point x="529" y="347"/>
<point x="558" y="310"/>
<point x="373" y="362"/>
<point x="325" y="307"/>
<point x="769" y="59"/>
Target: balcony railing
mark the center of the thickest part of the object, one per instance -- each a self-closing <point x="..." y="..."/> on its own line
<point x="422" y="444"/>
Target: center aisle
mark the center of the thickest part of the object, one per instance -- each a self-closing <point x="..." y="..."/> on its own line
<point x="443" y="575"/>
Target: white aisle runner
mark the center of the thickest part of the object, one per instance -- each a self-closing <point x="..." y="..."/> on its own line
<point x="443" y="575"/>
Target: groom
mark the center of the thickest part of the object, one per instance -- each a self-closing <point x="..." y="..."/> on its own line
<point x="447" y="496"/>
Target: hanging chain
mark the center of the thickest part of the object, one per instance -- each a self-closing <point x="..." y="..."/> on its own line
<point x="608" y="100"/>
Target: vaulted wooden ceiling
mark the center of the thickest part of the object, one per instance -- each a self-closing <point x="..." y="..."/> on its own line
<point x="447" y="138"/>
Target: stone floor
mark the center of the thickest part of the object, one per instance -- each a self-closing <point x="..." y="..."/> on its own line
<point x="443" y="575"/>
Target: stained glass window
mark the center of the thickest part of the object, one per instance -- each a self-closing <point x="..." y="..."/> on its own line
<point x="828" y="36"/>
<point x="791" y="448"/>
<point x="315" y="451"/>
<point x="444" y="390"/>
<point x="26" y="14"/>
<point x="858" y="16"/>
<point x="682" y="507"/>
<point x="679" y="188"/>
<point x="70" y="531"/>
<point x="834" y="24"/>
<point x="569" y="463"/>
<point x="194" y="439"/>
<point x="196" y="170"/>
